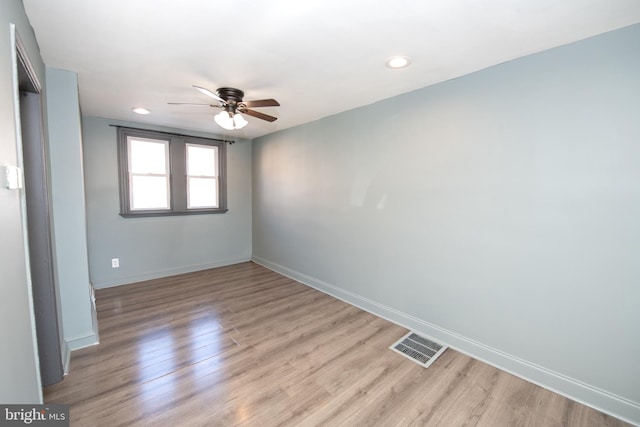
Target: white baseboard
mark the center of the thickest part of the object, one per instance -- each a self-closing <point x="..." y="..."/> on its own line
<point x="99" y="284"/>
<point x="76" y="343"/>
<point x="594" y="397"/>
<point x="66" y="358"/>
<point x="94" y="313"/>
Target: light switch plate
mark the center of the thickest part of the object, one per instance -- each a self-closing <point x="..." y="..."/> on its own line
<point x="13" y="176"/>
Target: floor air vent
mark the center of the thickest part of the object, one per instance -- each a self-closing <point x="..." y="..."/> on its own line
<point x="421" y="350"/>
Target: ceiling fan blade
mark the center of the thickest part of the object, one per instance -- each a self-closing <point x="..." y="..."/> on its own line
<point x="258" y="115"/>
<point x="209" y="93"/>
<point x="262" y="103"/>
<point x="194" y="103"/>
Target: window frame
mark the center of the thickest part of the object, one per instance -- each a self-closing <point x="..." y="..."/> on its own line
<point x="132" y="174"/>
<point x="177" y="173"/>
<point x="215" y="177"/>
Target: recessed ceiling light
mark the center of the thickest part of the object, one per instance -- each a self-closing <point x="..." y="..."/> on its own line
<point x="140" y="110"/>
<point x="398" y="62"/>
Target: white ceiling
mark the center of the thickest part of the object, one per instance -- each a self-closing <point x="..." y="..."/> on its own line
<point x="317" y="58"/>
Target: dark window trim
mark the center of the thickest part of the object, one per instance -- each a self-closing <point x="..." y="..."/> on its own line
<point x="177" y="172"/>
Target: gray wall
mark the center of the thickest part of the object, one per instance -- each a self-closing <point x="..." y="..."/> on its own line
<point x="160" y="246"/>
<point x="68" y="203"/>
<point x="497" y="212"/>
<point x="19" y="381"/>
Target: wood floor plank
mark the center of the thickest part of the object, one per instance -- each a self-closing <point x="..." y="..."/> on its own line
<point x="241" y="345"/>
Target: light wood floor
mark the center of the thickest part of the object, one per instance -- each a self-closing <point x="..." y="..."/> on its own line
<point x="242" y="345"/>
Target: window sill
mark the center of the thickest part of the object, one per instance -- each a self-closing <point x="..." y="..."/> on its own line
<point x="172" y="213"/>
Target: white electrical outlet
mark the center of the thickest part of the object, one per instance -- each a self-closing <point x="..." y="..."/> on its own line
<point x="115" y="263"/>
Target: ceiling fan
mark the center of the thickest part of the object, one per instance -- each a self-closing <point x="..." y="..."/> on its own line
<point x="230" y="100"/>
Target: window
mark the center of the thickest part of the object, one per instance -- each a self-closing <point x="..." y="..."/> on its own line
<point x="170" y="174"/>
<point x="148" y="164"/>
<point x="202" y="176"/>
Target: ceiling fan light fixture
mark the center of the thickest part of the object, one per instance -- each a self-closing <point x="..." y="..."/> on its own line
<point x="396" y="62"/>
<point x="240" y="121"/>
<point x="223" y="118"/>
<point x="230" y="122"/>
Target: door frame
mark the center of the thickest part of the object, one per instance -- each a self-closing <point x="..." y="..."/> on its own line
<point x="18" y="46"/>
<point x="45" y="321"/>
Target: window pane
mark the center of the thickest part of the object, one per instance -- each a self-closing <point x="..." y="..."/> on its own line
<point x="147" y="156"/>
<point x="202" y="193"/>
<point x="201" y="160"/>
<point x="149" y="192"/>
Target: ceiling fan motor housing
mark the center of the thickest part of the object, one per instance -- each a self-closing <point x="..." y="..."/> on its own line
<point x="231" y="95"/>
